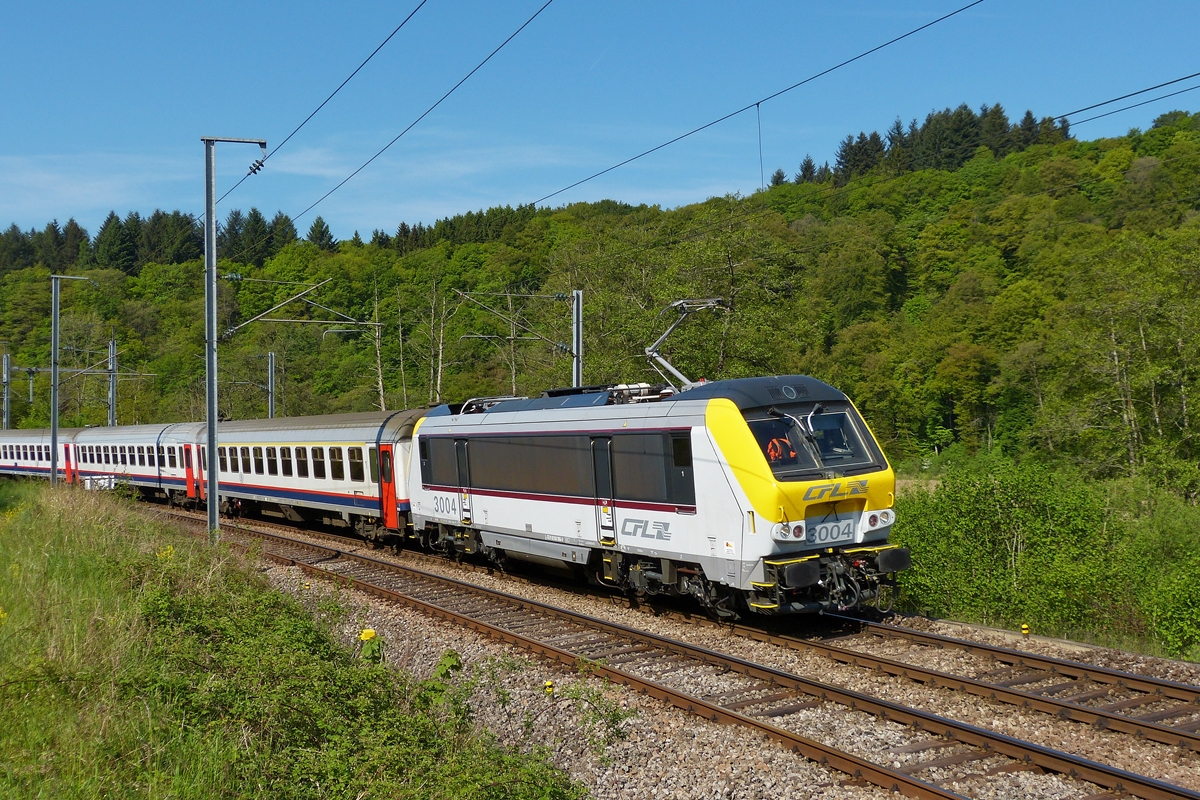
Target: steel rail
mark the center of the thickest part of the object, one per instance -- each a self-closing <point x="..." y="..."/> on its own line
<point x="1024" y="753"/>
<point x="1055" y="666"/>
<point x="1061" y="708"/>
<point x="857" y="768"/>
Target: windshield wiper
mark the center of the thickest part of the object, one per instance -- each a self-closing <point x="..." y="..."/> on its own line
<point x="806" y="430"/>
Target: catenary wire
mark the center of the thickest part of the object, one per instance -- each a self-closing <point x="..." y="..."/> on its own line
<point x="1125" y="96"/>
<point x="427" y="111"/>
<point x="756" y="103"/>
<point x="277" y="147"/>
<point x="1135" y="105"/>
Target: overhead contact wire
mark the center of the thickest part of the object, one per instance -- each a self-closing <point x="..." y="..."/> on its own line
<point x="431" y="108"/>
<point x="277" y="147"/>
<point x="757" y="103"/>
<point x="1126" y="96"/>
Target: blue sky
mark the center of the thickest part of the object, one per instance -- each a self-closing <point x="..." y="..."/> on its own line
<point x="104" y="104"/>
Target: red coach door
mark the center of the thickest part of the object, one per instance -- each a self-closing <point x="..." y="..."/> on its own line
<point x="387" y="487"/>
<point x="70" y="473"/>
<point x="189" y="473"/>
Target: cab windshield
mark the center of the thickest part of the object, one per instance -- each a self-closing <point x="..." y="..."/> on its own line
<point x="808" y="439"/>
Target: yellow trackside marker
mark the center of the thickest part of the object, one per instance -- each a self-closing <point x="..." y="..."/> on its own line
<point x="1025" y="629"/>
<point x="548" y="687"/>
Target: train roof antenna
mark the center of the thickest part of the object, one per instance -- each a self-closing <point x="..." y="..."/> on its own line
<point x="684" y="307"/>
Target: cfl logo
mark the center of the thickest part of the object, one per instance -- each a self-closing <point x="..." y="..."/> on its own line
<point x="644" y="529"/>
<point x="835" y="491"/>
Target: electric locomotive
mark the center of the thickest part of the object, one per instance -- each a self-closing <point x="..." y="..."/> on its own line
<point x="767" y="495"/>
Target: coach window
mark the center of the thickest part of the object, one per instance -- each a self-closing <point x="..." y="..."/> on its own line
<point x="336" y="470"/>
<point x="318" y="459"/>
<point x="354" y="456"/>
<point x="162" y="456"/>
<point x="141" y="456"/>
<point x="272" y="463"/>
<point x="258" y="461"/>
<point x="203" y="458"/>
<point x="187" y="457"/>
<point x="107" y="455"/>
<point x="301" y="462"/>
<point x="373" y="460"/>
<point x="245" y="460"/>
<point x="171" y="457"/>
<point x="285" y="460"/>
<point x="222" y="460"/>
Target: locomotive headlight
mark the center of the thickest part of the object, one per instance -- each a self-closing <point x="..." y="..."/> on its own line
<point x="886" y="517"/>
<point x="785" y="530"/>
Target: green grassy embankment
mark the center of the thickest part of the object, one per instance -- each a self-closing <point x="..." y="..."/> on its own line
<point x="135" y="661"/>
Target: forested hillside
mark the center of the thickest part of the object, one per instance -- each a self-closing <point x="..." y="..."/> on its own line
<point x="977" y="286"/>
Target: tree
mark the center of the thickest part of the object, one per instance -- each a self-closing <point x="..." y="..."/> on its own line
<point x="995" y="131"/>
<point x="256" y="238"/>
<point x="808" y="170"/>
<point x="1026" y="134"/>
<point x="380" y="238"/>
<point x="778" y="177"/>
<point x="229" y="236"/>
<point x="282" y="232"/>
<point x="16" y="250"/>
<point x="319" y="234"/>
<point x="50" y="245"/>
<point x="115" y="248"/>
<point x="75" y="241"/>
<point x="171" y="238"/>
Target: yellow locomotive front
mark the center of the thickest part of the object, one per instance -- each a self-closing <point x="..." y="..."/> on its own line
<point x="819" y="496"/>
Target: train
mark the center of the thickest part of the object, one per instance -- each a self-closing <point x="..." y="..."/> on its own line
<point x="759" y="496"/>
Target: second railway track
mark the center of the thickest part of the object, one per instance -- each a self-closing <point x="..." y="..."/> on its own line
<point x="756" y="696"/>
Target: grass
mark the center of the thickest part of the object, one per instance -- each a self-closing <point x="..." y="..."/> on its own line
<point x="137" y="662"/>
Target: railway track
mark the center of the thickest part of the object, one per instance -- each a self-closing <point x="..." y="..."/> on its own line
<point x="755" y="696"/>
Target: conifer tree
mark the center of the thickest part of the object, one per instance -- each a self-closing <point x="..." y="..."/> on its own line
<point x="282" y="232"/>
<point x="114" y="247"/>
<point x="356" y="240"/>
<point x="229" y="236"/>
<point x="808" y="170"/>
<point x="778" y="177"/>
<point x="50" y="245"/>
<point x="76" y="243"/>
<point x="256" y="239"/>
<point x="995" y="131"/>
<point x="1026" y="134"/>
<point x="319" y="234"/>
<point x="380" y="239"/>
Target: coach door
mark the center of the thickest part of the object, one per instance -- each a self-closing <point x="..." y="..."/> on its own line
<point x="67" y="463"/>
<point x="189" y="474"/>
<point x="602" y="468"/>
<point x="464" y="480"/>
<point x="201" y="469"/>
<point x="387" y="487"/>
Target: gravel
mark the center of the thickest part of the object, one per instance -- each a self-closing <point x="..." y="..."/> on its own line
<point x="666" y="753"/>
<point x="669" y="753"/>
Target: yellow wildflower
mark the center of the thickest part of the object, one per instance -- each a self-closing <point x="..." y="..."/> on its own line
<point x="367" y="635"/>
<point x="3" y="615"/>
<point x="166" y="554"/>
